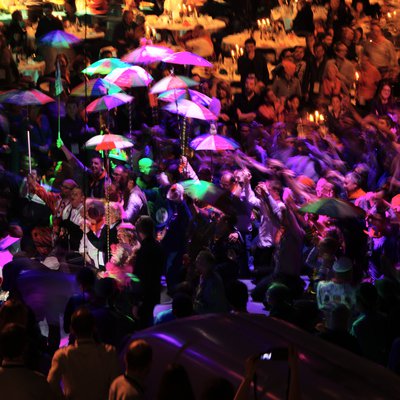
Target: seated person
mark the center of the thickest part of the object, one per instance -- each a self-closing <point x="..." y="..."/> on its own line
<point x="200" y="43"/>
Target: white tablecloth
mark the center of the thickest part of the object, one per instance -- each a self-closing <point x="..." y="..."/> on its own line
<point x="32" y="69"/>
<point x="280" y="43"/>
<point x="186" y="24"/>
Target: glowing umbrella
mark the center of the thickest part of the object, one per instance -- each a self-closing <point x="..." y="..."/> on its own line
<point x="213" y="142"/>
<point x="26" y="98"/>
<point x="59" y="39"/>
<point x="108" y="102"/>
<point x="335" y="208"/>
<point x="193" y="95"/>
<point x="189" y="109"/>
<point x="187" y="58"/>
<point x="173" y="82"/>
<point x="108" y="142"/>
<point x="133" y="76"/>
<point x="31" y="97"/>
<point x="95" y="87"/>
<point x="147" y="55"/>
<point x="104" y="66"/>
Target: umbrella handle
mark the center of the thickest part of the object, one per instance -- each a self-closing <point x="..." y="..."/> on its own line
<point x="28" y="137"/>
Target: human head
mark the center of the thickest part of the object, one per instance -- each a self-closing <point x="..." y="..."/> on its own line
<point x="47" y="9"/>
<point x="16" y="16"/>
<point x="116" y="212"/>
<point x="145" y="227"/>
<point x="138" y="358"/>
<point x="336" y="102"/>
<point x="198" y="31"/>
<point x="352" y="182"/>
<point x="97" y="166"/>
<point x="376" y="31"/>
<point x="237" y="295"/>
<point x="175" y="383"/>
<point x="341" y="50"/>
<point x="83" y="323"/>
<point x="299" y="52"/>
<point x="250" y="84"/>
<point x="118" y="174"/>
<point x="324" y="188"/>
<point x="126" y="233"/>
<point x="182" y="305"/>
<point x="13" y="342"/>
<point x="205" y="262"/>
<point x="319" y="51"/>
<point x="66" y="187"/>
<point x="249" y="45"/>
<point x="289" y="68"/>
<point x="223" y="90"/>
<point x="86" y="278"/>
<point x="77" y="197"/>
<point x="277" y="294"/>
<point x="228" y="181"/>
<point x="385" y="91"/>
<point x="145" y="165"/>
<point x="127" y="17"/>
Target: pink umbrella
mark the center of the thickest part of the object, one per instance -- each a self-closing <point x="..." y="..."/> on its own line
<point x="189" y="109"/>
<point x="194" y="95"/>
<point x="213" y="142"/>
<point x="31" y="97"/>
<point x="108" y="102"/>
<point x="187" y="58"/>
<point x="133" y="76"/>
<point x="147" y="55"/>
<point x="173" y="82"/>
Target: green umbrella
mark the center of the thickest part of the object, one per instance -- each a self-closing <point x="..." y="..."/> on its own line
<point x="335" y="208"/>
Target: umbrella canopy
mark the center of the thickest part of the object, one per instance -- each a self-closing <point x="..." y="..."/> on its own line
<point x="193" y="95"/>
<point x="190" y="109"/>
<point x="31" y="97"/>
<point x="335" y="208"/>
<point x="187" y="58"/>
<point x="147" y="55"/>
<point x="59" y="39"/>
<point x="213" y="142"/>
<point x="108" y="102"/>
<point x="108" y="142"/>
<point x="133" y="76"/>
<point x="173" y="82"/>
<point x="105" y="66"/>
<point x="95" y="87"/>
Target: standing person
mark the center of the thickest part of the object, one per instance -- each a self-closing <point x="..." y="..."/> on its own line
<point x="252" y="62"/>
<point x="124" y="33"/>
<point x="130" y="385"/>
<point x="48" y="22"/>
<point x="16" y="380"/>
<point x="135" y="202"/>
<point x="86" y="368"/>
<point x="150" y="262"/>
<point x="96" y="174"/>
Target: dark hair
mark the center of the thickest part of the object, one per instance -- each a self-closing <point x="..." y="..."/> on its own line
<point x="175" y="384"/>
<point x="145" y="225"/>
<point x="139" y="355"/>
<point x="49" y="6"/>
<point x="367" y="296"/>
<point x="86" y="278"/>
<point x="250" y="40"/>
<point x="237" y="295"/>
<point x="13" y="340"/>
<point x="182" y="305"/>
<point x="82" y="323"/>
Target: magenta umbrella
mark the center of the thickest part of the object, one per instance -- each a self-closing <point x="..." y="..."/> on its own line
<point x="187" y="58"/>
<point x="193" y="95"/>
<point x="189" y="109"/>
<point x="108" y="102"/>
<point x="213" y="142"/>
<point x="133" y="76"/>
<point x="173" y="82"/>
<point x="26" y="98"/>
<point x="147" y="55"/>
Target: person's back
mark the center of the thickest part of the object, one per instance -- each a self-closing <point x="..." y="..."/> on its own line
<point x="16" y="380"/>
<point x="85" y="368"/>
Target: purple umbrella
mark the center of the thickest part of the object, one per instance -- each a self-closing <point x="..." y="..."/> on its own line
<point x="108" y="102"/>
<point x="187" y="58"/>
<point x="147" y="55"/>
<point x="189" y="109"/>
<point x="193" y="95"/>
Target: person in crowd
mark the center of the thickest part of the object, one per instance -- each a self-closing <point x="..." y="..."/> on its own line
<point x="200" y="43"/>
<point x="252" y="62"/>
<point x="346" y="70"/>
<point x="381" y="51"/>
<point x="138" y="361"/>
<point x="16" y="380"/>
<point x="76" y="370"/>
<point x="287" y="85"/>
<point x="48" y="22"/>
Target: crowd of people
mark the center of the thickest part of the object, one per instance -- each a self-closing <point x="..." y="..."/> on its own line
<point x="313" y="124"/>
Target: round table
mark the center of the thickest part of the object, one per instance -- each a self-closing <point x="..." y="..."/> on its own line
<point x="32" y="69"/>
<point x="279" y="44"/>
<point x="185" y="24"/>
